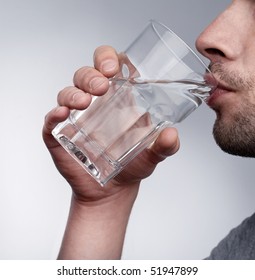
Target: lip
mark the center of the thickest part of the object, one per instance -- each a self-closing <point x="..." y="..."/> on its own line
<point x="221" y="89"/>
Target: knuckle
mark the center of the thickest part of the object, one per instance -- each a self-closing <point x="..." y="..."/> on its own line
<point x="81" y="76"/>
<point x="81" y="72"/>
<point x="101" y="49"/>
<point x="64" y="94"/>
<point x="104" y="52"/>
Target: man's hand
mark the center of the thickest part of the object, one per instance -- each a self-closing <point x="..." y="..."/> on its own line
<point x="93" y="206"/>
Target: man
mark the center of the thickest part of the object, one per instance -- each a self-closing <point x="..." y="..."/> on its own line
<point x="98" y="216"/>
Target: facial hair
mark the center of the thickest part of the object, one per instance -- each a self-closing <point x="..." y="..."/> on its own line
<point x="236" y="133"/>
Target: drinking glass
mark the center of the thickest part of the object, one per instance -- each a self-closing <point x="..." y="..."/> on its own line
<point x="160" y="82"/>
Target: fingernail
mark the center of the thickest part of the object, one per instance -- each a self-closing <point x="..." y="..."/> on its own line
<point x="108" y="65"/>
<point x="96" y="82"/>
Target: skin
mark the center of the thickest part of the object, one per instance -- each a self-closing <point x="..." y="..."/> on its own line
<point x="98" y="216"/>
<point x="228" y="43"/>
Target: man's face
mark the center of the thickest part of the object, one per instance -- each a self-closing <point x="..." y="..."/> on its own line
<point x="229" y="43"/>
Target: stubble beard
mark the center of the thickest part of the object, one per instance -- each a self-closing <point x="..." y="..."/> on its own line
<point x="238" y="136"/>
<point x="234" y="131"/>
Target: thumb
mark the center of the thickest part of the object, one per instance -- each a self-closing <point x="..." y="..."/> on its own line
<point x="165" y="145"/>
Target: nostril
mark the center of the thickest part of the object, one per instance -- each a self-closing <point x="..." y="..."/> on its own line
<point x="213" y="51"/>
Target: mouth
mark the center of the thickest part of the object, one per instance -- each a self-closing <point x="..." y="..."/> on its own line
<point x="220" y="89"/>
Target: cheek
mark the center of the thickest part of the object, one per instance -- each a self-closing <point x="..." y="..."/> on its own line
<point x="248" y="96"/>
<point x="248" y="58"/>
<point x="252" y="97"/>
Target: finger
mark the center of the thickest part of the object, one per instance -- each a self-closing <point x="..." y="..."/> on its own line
<point x="166" y="145"/>
<point x="106" y="61"/>
<point x="74" y="98"/>
<point x="90" y="80"/>
<point x="51" y="120"/>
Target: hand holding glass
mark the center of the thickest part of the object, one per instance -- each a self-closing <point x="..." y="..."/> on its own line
<point x="161" y="81"/>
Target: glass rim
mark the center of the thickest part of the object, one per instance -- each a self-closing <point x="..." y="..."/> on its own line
<point x="154" y="22"/>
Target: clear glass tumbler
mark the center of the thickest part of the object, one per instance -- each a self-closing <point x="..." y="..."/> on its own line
<point x="161" y="81"/>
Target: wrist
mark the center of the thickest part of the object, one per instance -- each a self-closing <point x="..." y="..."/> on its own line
<point x="93" y="196"/>
<point x="96" y="229"/>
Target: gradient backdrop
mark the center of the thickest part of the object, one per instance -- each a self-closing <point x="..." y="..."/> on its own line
<point x="183" y="210"/>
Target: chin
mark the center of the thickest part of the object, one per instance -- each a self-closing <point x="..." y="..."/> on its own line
<point x="235" y="137"/>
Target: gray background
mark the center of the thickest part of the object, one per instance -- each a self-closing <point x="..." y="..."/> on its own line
<point x="183" y="210"/>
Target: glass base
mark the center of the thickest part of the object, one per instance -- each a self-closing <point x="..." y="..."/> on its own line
<point x="89" y="160"/>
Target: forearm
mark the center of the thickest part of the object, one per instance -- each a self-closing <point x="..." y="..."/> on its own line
<point x="97" y="231"/>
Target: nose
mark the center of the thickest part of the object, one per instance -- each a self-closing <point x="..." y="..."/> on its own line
<point x="221" y="41"/>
